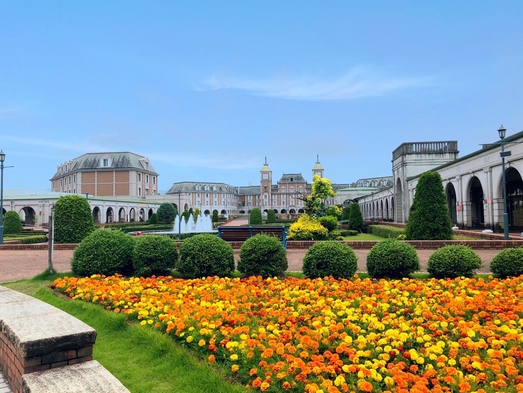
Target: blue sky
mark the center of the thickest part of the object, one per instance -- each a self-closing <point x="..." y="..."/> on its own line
<point x="208" y="89"/>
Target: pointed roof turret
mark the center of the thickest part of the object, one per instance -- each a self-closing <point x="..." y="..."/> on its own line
<point x="265" y="167"/>
<point x="317" y="165"/>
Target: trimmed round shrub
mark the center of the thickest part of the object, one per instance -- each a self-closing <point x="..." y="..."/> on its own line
<point x="166" y="213"/>
<point x="205" y="255"/>
<point x="330" y="258"/>
<point x="508" y="263"/>
<point x="263" y="255"/>
<point x="329" y="222"/>
<point x="154" y="255"/>
<point x="12" y="224"/>
<point x="73" y="220"/>
<point x="392" y="259"/>
<point x="104" y="251"/>
<point x="453" y="261"/>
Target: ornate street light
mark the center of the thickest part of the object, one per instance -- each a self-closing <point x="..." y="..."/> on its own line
<point x="2" y="159"/>
<point x="502" y="132"/>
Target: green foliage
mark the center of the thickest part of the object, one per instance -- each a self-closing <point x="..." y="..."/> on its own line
<point x="12" y="224"/>
<point x="255" y="217"/>
<point x="34" y="239"/>
<point x="166" y="213"/>
<point x="330" y="258"/>
<point x="154" y="255"/>
<point x="334" y="211"/>
<point x="104" y="251"/>
<point x="215" y="217"/>
<point x="392" y="259"/>
<point x="307" y="228"/>
<point x="453" y="261"/>
<point x="329" y="222"/>
<point x="271" y="216"/>
<point x="263" y="255"/>
<point x="73" y="220"/>
<point x="508" y="263"/>
<point x="385" y="231"/>
<point x="205" y="255"/>
<point x="355" y="217"/>
<point x="186" y="215"/>
<point x="345" y="214"/>
<point x="196" y="214"/>
<point x="429" y="217"/>
<point x="348" y="232"/>
<point x="153" y="219"/>
<point x="315" y="202"/>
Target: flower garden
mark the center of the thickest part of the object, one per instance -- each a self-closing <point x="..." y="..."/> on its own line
<point x="327" y="335"/>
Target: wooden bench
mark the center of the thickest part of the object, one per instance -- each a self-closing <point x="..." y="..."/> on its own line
<point x="242" y="233"/>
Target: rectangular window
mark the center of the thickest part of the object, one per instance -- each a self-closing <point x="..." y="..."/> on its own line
<point x="105" y="162"/>
<point x="139" y="177"/>
<point x="147" y="179"/>
<point x="154" y="179"/>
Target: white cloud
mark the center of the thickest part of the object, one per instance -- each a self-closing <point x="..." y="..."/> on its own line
<point x="357" y="83"/>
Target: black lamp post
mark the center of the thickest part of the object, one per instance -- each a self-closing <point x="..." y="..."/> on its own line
<point x="2" y="159"/>
<point x="502" y="132"/>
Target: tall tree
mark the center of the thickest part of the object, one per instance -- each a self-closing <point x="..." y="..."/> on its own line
<point x="355" y="217"/>
<point x="166" y="213"/>
<point x="429" y="217"/>
<point x="321" y="190"/>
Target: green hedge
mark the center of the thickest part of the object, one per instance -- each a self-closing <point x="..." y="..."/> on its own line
<point x="34" y="239"/>
<point x="385" y="231"/>
<point x="142" y="226"/>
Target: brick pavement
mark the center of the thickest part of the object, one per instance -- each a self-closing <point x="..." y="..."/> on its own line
<point x="24" y="264"/>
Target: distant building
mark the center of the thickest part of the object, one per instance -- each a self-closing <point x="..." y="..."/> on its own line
<point x="118" y="174"/>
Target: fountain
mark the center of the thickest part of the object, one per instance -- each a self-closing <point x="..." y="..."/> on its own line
<point x="202" y="224"/>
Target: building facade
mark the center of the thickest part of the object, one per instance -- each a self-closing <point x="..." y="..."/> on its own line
<point x="117" y="174"/>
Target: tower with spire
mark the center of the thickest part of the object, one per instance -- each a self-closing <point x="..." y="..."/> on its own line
<point x="265" y="185"/>
<point x="317" y="169"/>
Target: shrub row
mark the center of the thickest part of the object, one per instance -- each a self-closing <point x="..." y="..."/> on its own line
<point x="109" y="252"/>
<point x="385" y="231"/>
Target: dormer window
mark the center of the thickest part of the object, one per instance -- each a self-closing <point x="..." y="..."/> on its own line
<point x="105" y="162"/>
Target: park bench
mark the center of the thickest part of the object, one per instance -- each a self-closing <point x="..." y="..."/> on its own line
<point x="242" y="233"/>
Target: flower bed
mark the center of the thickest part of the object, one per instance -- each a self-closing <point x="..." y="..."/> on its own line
<point x="329" y="335"/>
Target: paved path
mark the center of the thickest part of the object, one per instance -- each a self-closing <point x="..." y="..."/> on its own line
<point x="24" y="264"/>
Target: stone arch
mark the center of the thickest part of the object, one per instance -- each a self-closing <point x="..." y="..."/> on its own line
<point x="514" y="197"/>
<point x="96" y="215"/>
<point x="27" y="215"/>
<point x="121" y="215"/>
<point x="292" y="211"/>
<point x="150" y="213"/>
<point x="132" y="215"/>
<point x="283" y="211"/>
<point x="109" y="214"/>
<point x="476" y="198"/>
<point x="223" y="211"/>
<point x="452" y="202"/>
<point x="141" y="214"/>
<point x="206" y="212"/>
<point x="301" y="211"/>
<point x="387" y="212"/>
<point x="398" y="207"/>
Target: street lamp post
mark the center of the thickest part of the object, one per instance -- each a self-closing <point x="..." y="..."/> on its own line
<point x="502" y="132"/>
<point x="2" y="159"/>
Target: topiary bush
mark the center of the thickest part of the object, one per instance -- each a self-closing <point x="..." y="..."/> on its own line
<point x="329" y="222"/>
<point x="166" y="213"/>
<point x="330" y="258"/>
<point x="73" y="220"/>
<point x="307" y="229"/>
<point x="154" y="255"/>
<point x="355" y="217"/>
<point x="385" y="231"/>
<point x="255" y="217"/>
<point x="392" y="259"/>
<point x="271" y="216"/>
<point x="205" y="255"/>
<point x="263" y="255"/>
<point x="12" y="224"/>
<point x="104" y="251"/>
<point x="153" y="219"/>
<point x="453" y="261"/>
<point x="508" y="263"/>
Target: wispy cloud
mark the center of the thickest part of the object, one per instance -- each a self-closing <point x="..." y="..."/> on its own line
<point x="12" y="111"/>
<point x="205" y="161"/>
<point x="356" y="83"/>
<point x="36" y="141"/>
